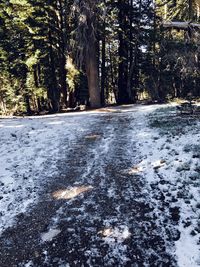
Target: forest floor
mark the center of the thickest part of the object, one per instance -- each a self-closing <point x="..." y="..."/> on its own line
<point x="114" y="187"/>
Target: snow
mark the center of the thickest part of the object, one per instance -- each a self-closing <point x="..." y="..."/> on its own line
<point x="187" y="250"/>
<point x="30" y="148"/>
<point x="29" y="264"/>
<point x="161" y="158"/>
<point x="50" y="234"/>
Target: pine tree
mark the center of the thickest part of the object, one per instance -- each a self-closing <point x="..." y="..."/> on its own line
<point x="87" y="43"/>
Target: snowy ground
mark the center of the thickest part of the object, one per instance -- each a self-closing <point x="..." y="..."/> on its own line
<point x="117" y="187"/>
<point x="29" y="149"/>
<point x="171" y="165"/>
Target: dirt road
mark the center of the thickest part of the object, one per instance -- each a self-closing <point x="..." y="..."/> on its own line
<point x="96" y="210"/>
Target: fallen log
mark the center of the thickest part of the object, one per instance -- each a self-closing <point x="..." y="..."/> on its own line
<point x="180" y="25"/>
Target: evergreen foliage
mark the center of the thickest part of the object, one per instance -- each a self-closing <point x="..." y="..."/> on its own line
<point x="58" y="54"/>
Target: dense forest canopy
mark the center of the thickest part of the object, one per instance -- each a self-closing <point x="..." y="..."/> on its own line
<point x="60" y="54"/>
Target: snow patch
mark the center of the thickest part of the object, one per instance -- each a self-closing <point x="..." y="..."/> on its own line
<point x="162" y="160"/>
<point x="50" y="235"/>
<point x="29" y="149"/>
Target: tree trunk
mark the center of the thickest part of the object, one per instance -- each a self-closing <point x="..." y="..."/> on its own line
<point x="62" y="79"/>
<point x="53" y="90"/>
<point x="28" y="106"/>
<point x="112" y="76"/>
<point x="62" y="50"/>
<point x="103" y="68"/>
<point x="123" y="95"/>
<point x="131" y="65"/>
<point x="93" y="76"/>
<point x="89" y="44"/>
<point x="39" y="107"/>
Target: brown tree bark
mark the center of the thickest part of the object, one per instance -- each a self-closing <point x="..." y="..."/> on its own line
<point x="53" y="90"/>
<point x="103" y="67"/>
<point x="61" y="5"/>
<point x="123" y="95"/>
<point x="93" y="76"/>
<point x="87" y="40"/>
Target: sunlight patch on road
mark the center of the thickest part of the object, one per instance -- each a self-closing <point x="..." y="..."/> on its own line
<point x="109" y="110"/>
<point x="147" y="163"/>
<point x="56" y="122"/>
<point x="11" y="126"/>
<point x="37" y="131"/>
<point x="135" y="170"/>
<point x="118" y="234"/>
<point x="71" y="193"/>
<point x="143" y="134"/>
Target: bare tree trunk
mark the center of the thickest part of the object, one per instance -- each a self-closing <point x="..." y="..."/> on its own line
<point x="53" y="90"/>
<point x="93" y="77"/>
<point x="87" y="42"/>
<point x="112" y="76"/>
<point x="123" y="95"/>
<point x="103" y="67"/>
<point x="62" y="49"/>
<point x="28" y="106"/>
<point x="131" y="63"/>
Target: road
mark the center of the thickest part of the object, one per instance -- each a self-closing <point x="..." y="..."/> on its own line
<point x="95" y="210"/>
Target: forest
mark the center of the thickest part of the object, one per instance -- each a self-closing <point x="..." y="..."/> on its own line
<point x="119" y="183"/>
<point x="59" y="54"/>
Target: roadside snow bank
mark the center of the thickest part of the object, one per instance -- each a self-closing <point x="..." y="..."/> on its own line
<point x="172" y="168"/>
